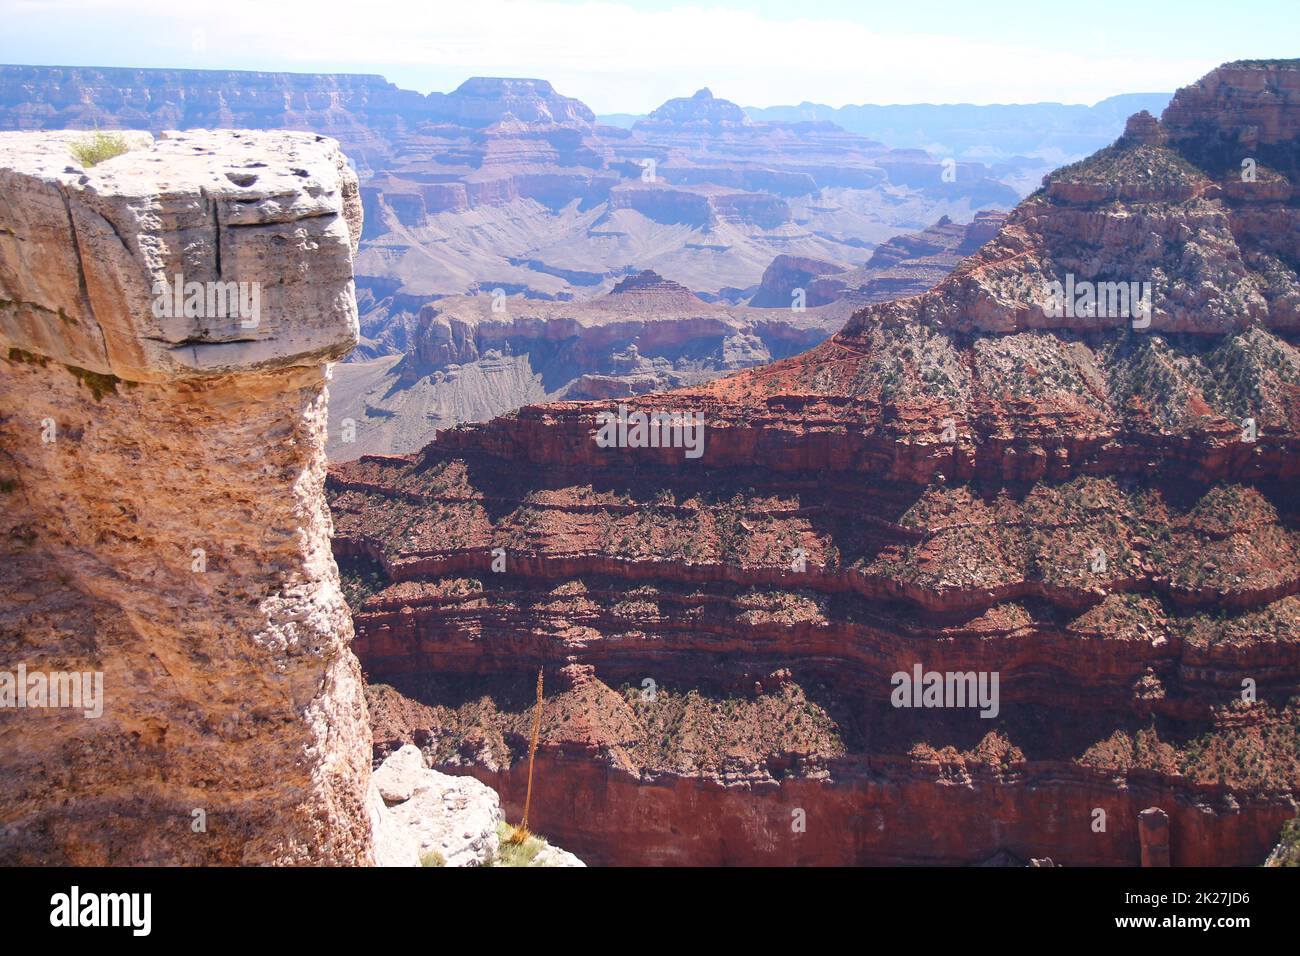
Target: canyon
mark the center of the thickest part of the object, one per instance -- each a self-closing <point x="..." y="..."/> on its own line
<point x="506" y="182"/>
<point x="470" y="358"/>
<point x="506" y="189"/>
<point x="696" y="192"/>
<point x="1096" y="509"/>
<point x="474" y="357"/>
<point x="999" y="134"/>
<point x="911" y="462"/>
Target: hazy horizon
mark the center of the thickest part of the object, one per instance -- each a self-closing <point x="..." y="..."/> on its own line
<point x="631" y="56"/>
<point x="613" y="112"/>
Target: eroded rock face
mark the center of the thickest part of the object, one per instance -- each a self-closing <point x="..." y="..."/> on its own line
<point x="163" y="522"/>
<point x="701" y="111"/>
<point x="906" y="265"/>
<point x="1194" y="207"/>
<point x="483" y="100"/>
<point x="473" y="357"/>
<point x="1242" y="109"/>
<point x="1099" y="514"/>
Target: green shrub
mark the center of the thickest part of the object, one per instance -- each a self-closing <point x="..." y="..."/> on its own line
<point x="516" y="854"/>
<point x="98" y="147"/>
<point x="1287" y="851"/>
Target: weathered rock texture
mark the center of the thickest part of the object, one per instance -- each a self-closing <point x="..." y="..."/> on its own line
<point x="1153" y="831"/>
<point x="1102" y="515"/>
<point x="163" y="520"/>
<point x="422" y="812"/>
<point x="421" y="817"/>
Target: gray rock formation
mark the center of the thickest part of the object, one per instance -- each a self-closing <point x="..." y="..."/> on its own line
<point x="423" y="817"/>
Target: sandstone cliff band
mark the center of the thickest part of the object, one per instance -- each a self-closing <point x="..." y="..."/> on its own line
<point x="683" y="430"/>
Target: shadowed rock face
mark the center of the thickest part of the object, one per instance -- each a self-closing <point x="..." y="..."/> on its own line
<point x="1242" y="110"/>
<point x="163" y="517"/>
<point x="1099" y="515"/>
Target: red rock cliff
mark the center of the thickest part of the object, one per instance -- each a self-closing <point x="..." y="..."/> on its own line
<point x="1092" y="507"/>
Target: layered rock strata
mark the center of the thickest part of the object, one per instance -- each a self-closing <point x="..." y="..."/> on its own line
<point x="167" y="317"/>
<point x="903" y="266"/>
<point x="506" y="182"/>
<point x="1091" y="506"/>
<point x="471" y="358"/>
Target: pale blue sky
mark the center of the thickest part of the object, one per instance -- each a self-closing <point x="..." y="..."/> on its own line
<point x="630" y="55"/>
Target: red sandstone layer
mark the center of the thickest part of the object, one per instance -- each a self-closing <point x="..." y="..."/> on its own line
<point x="1095" y="510"/>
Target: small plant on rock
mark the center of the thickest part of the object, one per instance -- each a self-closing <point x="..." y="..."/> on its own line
<point x="99" y="146"/>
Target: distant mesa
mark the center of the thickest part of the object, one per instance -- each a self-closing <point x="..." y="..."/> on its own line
<point x="650" y="283"/>
<point x="701" y="111"/>
<point x="484" y="100"/>
<point x="464" y="361"/>
<point x="788" y="274"/>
